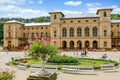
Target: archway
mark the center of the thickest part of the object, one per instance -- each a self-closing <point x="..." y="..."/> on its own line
<point x="79" y="44"/>
<point x="64" y="45"/>
<point x="71" y="44"/>
<point x="9" y="45"/>
<point x="87" y="44"/>
<point x="118" y="43"/>
<point x="113" y="43"/>
<point x="95" y="44"/>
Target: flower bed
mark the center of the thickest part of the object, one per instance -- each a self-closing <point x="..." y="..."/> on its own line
<point x="6" y="74"/>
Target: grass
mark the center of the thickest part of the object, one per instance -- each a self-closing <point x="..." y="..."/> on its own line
<point x="1" y="47"/>
<point x="34" y="62"/>
<point x="93" y="62"/>
<point x="83" y="62"/>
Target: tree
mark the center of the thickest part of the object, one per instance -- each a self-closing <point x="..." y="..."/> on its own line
<point x="41" y="50"/>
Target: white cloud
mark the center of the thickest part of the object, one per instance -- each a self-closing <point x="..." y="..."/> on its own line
<point x="73" y="3"/>
<point x="116" y="9"/>
<point x="93" y="7"/>
<point x="30" y="1"/>
<point x="18" y="2"/>
<point x="93" y="4"/>
<point x="15" y="11"/>
<point x="40" y="1"/>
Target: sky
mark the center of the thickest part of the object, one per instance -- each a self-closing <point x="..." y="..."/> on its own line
<point x="37" y="8"/>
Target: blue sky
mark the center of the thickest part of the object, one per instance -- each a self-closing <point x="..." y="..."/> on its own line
<point x="36" y="8"/>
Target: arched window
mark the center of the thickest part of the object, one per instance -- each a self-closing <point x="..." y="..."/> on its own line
<point x="94" y="31"/>
<point x="71" y="32"/>
<point x="87" y="44"/>
<point x="86" y="31"/>
<point x="64" y="45"/>
<point x="79" y="31"/>
<point x="54" y="16"/>
<point x="55" y="34"/>
<point x="105" y="33"/>
<point x="104" y="14"/>
<point x="71" y="45"/>
<point x="64" y="32"/>
<point x="95" y="44"/>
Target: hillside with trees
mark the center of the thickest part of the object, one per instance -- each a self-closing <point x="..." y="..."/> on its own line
<point x="115" y="16"/>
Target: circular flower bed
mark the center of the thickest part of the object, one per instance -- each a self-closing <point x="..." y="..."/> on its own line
<point x="65" y="60"/>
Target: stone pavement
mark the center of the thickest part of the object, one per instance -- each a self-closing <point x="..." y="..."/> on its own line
<point x="22" y="75"/>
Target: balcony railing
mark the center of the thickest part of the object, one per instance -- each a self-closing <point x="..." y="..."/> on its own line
<point x="115" y="36"/>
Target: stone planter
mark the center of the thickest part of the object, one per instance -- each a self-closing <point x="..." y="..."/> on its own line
<point x="52" y="76"/>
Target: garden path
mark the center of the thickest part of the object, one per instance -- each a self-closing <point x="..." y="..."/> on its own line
<point x="22" y="75"/>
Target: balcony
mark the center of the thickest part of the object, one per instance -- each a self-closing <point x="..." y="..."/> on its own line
<point x="115" y="37"/>
<point x="8" y="37"/>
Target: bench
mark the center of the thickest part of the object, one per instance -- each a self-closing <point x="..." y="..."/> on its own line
<point x="51" y="68"/>
<point x="22" y="66"/>
<point x="69" y="69"/>
<point x="86" y="70"/>
<point x="78" y="69"/>
<point x="108" y="67"/>
<point x="35" y="68"/>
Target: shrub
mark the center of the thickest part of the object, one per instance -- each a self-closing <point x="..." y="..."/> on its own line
<point x="61" y="59"/>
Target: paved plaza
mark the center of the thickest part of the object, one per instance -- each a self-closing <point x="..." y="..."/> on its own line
<point x="100" y="75"/>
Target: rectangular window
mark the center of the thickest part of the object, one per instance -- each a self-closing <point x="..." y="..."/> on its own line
<point x="9" y="34"/>
<point x="46" y="34"/>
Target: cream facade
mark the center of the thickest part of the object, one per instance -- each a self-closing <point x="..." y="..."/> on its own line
<point x="75" y="32"/>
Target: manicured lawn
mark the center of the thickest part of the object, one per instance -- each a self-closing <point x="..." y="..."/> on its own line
<point x="1" y="47"/>
<point x="34" y="62"/>
<point x="81" y="62"/>
<point x="93" y="62"/>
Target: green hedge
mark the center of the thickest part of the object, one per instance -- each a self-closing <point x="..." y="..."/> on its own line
<point x="62" y="59"/>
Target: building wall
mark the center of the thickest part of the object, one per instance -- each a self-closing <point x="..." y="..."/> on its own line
<point x="55" y="33"/>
